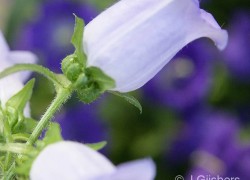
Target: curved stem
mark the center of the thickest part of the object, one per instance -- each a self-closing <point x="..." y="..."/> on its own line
<point x="31" y="67"/>
<point x="61" y="97"/>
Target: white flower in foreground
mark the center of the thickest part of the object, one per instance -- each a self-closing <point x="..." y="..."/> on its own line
<point x="132" y="40"/>
<point x="12" y="84"/>
<point x="70" y="160"/>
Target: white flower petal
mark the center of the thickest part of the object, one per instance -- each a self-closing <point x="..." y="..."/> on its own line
<point x="8" y="87"/>
<point x="13" y="83"/>
<point x="220" y="37"/>
<point x="134" y="40"/>
<point x="103" y="25"/>
<point x="20" y="57"/>
<point x="140" y="169"/>
<point x="4" y="49"/>
<point x="69" y="160"/>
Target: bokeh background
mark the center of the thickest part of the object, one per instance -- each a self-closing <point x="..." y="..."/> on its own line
<point x="196" y="111"/>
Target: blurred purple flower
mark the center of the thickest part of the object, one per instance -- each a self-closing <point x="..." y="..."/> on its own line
<point x="186" y="80"/>
<point x="81" y="123"/>
<point x="217" y="150"/>
<point x="49" y="34"/>
<point x="237" y="52"/>
<point x="241" y="166"/>
<point x="234" y="162"/>
<point x="207" y="131"/>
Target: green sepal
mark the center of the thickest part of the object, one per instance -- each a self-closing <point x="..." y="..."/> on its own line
<point x="94" y="83"/>
<point x="132" y="100"/>
<point x="77" y="41"/>
<point x="88" y="94"/>
<point x="19" y="100"/>
<point x="104" y="81"/>
<point x="89" y="82"/>
<point x="97" y="146"/>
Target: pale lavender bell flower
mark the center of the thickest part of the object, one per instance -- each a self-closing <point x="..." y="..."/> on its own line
<point x="70" y="160"/>
<point x="133" y="40"/>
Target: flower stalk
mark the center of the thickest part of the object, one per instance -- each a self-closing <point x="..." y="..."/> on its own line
<point x="61" y="97"/>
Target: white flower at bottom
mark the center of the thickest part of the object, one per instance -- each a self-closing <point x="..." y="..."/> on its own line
<point x="12" y="84"/>
<point x="74" y="161"/>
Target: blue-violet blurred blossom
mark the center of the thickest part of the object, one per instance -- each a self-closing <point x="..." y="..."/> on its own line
<point x="205" y="130"/>
<point x="70" y="160"/>
<point x="219" y="150"/>
<point x="186" y="80"/>
<point x="81" y="123"/>
<point x="133" y="40"/>
<point x="237" y="52"/>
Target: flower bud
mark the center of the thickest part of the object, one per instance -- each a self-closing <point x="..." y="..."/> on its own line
<point x="133" y="40"/>
<point x="71" y="67"/>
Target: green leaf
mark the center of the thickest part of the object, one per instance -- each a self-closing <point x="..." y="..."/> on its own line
<point x="26" y="126"/>
<point x="104" y="81"/>
<point x="19" y="100"/>
<point x="132" y="100"/>
<point x="53" y="134"/>
<point x="97" y="146"/>
<point x="77" y="39"/>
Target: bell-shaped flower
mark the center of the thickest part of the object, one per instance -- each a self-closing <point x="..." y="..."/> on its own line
<point x="12" y="84"/>
<point x="70" y="160"/>
<point x="133" y="40"/>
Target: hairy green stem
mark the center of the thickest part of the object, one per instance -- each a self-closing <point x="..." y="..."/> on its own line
<point x="61" y="97"/>
<point x="64" y="90"/>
